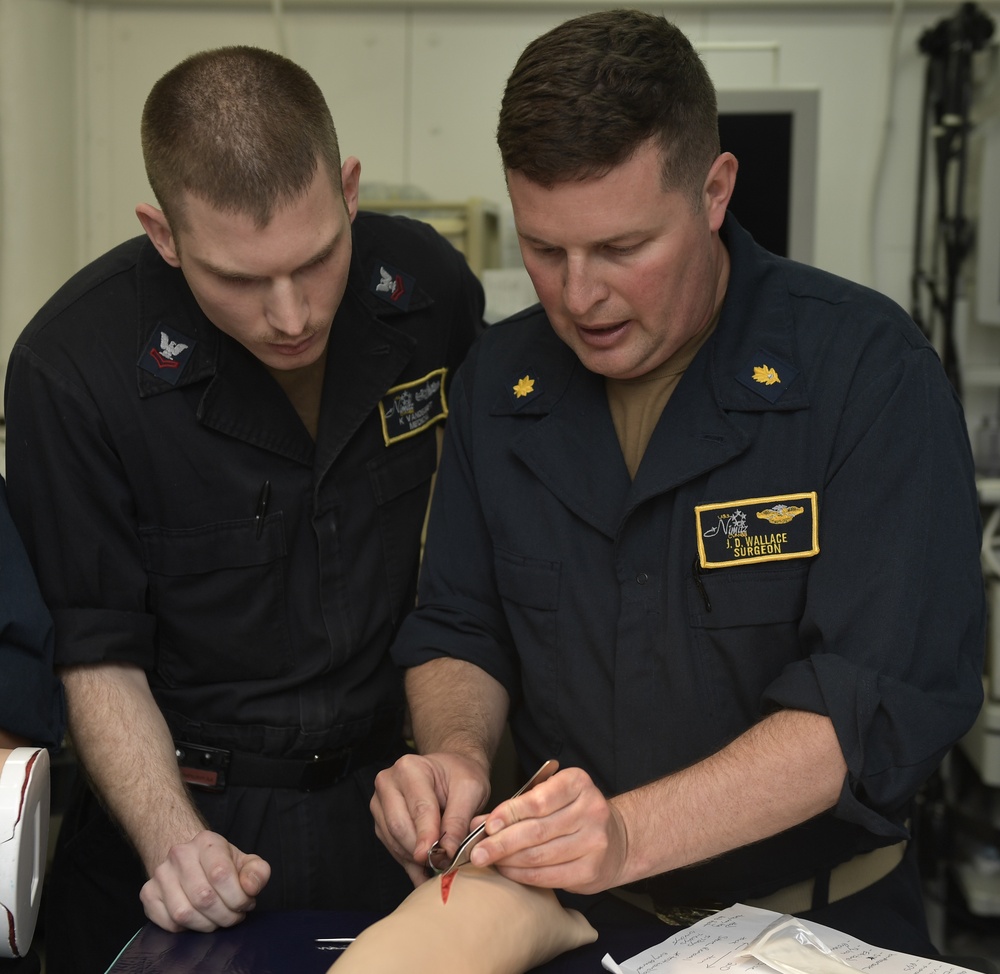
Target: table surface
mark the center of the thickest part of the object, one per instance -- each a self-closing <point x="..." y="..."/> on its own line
<point x="286" y="943"/>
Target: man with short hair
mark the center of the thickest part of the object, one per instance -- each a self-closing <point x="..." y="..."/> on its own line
<point x="221" y="440"/>
<point x="706" y="531"/>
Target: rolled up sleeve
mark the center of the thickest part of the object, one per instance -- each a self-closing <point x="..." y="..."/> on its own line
<point x="894" y="625"/>
<point x="72" y="503"/>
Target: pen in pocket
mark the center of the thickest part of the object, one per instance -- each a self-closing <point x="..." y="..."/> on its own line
<point x="262" y="501"/>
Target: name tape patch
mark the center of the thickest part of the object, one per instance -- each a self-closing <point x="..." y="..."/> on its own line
<point x="757" y="529"/>
<point x="412" y="407"/>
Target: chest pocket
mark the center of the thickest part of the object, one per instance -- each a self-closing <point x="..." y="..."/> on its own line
<point x="528" y="582"/>
<point x="747" y="638"/>
<point x="218" y="593"/>
<point x="725" y="598"/>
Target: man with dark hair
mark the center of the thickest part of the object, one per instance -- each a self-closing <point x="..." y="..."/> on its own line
<point x="706" y="531"/>
<point x="221" y="441"/>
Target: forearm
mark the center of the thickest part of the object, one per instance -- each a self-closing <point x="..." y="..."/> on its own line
<point x="127" y="751"/>
<point x="783" y="771"/>
<point x="456" y="707"/>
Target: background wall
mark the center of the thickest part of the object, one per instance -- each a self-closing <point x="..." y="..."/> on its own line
<point x="38" y="139"/>
<point x="414" y="88"/>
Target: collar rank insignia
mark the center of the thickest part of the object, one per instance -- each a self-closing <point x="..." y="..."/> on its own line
<point x="413" y="407"/>
<point x="392" y="286"/>
<point x="767" y="375"/>
<point x="757" y="529"/>
<point x="523" y="387"/>
<point x="166" y="354"/>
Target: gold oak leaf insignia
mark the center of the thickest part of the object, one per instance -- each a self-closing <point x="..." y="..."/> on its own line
<point x="765" y="374"/>
<point x="524" y="387"/>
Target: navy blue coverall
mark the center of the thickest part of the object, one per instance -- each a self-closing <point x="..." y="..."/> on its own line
<point x="802" y="532"/>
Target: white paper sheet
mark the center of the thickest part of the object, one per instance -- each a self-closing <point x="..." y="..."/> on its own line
<point x="716" y="945"/>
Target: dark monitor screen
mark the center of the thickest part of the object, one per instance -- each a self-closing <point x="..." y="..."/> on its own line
<point x="762" y="198"/>
<point x="773" y="133"/>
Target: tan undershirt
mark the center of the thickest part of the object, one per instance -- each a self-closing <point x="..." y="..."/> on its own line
<point x="637" y="404"/>
<point x="304" y="388"/>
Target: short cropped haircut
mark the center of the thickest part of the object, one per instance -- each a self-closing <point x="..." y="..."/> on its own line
<point x="239" y="127"/>
<point x="584" y="97"/>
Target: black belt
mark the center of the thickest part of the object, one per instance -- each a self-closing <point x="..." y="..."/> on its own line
<point x="213" y="768"/>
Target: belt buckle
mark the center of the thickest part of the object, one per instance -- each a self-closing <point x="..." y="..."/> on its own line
<point x="201" y="766"/>
<point x="325" y="769"/>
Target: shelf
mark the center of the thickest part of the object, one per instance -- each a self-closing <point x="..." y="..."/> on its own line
<point x="472" y="226"/>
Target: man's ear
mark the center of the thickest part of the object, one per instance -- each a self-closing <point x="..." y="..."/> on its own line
<point x="350" y="179"/>
<point x="719" y="186"/>
<point x="158" y="230"/>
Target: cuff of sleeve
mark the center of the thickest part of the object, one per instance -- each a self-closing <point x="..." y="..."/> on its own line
<point x="36" y="708"/>
<point x="434" y="631"/>
<point x="830" y="686"/>
<point x="102" y="635"/>
<point x="850" y="809"/>
<point x="797" y="688"/>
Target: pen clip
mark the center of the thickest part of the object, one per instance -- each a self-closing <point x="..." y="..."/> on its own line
<point x="263" y="498"/>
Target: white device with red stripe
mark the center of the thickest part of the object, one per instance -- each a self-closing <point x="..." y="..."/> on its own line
<point x="24" y="829"/>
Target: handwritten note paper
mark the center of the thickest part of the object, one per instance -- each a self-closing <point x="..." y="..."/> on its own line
<point x="718" y="944"/>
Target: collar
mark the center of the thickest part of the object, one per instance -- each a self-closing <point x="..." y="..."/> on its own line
<point x="166" y="307"/>
<point x="388" y="290"/>
<point x="755" y="364"/>
<point x="755" y="329"/>
<point x="367" y="351"/>
<point x="695" y="434"/>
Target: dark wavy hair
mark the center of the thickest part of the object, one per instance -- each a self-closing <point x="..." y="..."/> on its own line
<point x="585" y="96"/>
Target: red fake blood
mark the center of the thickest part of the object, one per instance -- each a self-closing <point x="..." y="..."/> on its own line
<point x="24" y="784"/>
<point x="11" y="939"/>
<point x="446" y="882"/>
